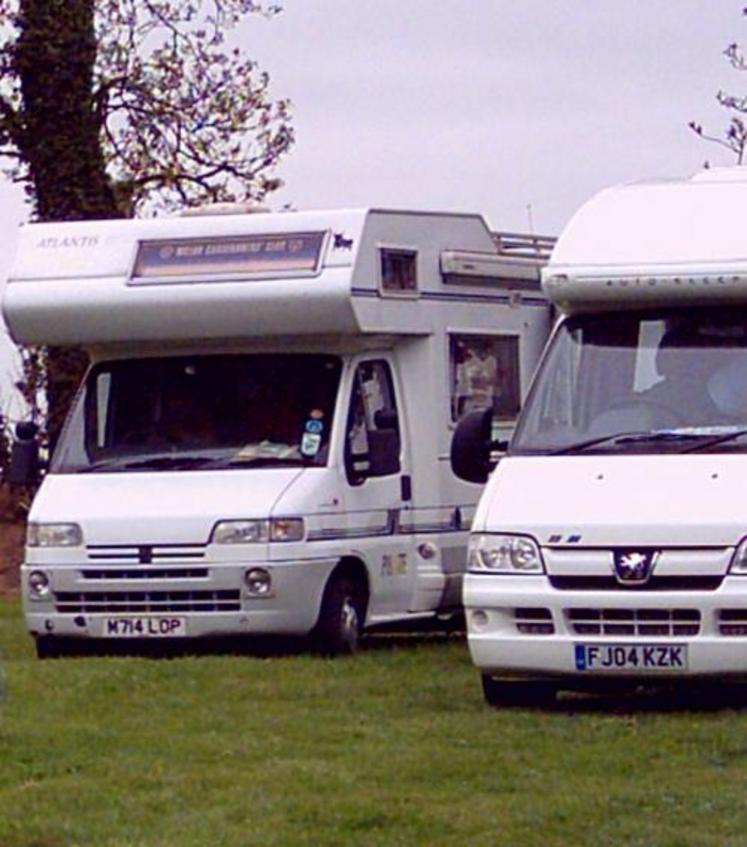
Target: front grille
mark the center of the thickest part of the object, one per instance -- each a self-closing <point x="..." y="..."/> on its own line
<point x="144" y="553"/>
<point x="534" y="621"/>
<point x="145" y="573"/>
<point x="136" y="602"/>
<point x="637" y="622"/>
<point x="655" y="583"/>
<point x="732" y="621"/>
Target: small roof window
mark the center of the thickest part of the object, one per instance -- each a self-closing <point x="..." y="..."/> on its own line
<point x="399" y="271"/>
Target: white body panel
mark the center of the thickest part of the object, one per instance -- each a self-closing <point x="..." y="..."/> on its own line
<point x="662" y="497"/>
<point x="666" y="242"/>
<point x="681" y="245"/>
<point x="147" y="535"/>
<point x="688" y="507"/>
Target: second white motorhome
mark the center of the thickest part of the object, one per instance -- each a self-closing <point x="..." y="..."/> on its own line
<point x="261" y="443"/>
<point x="610" y="545"/>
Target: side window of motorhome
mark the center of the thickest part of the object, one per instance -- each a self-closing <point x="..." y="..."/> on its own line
<point x="372" y="443"/>
<point x="484" y="374"/>
<point x="399" y="271"/>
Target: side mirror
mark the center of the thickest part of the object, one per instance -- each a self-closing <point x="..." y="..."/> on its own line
<point x="386" y="419"/>
<point x="383" y="452"/>
<point x="471" y="446"/>
<point x="382" y="455"/>
<point x="24" y="455"/>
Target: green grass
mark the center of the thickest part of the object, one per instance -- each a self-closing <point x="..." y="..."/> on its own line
<point x="393" y="747"/>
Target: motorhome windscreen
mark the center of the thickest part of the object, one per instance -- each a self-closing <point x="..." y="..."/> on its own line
<point x="655" y="381"/>
<point x="202" y="412"/>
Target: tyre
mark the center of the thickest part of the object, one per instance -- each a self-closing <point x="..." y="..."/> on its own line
<point x="51" y="647"/>
<point x="340" y="623"/>
<point x="529" y="693"/>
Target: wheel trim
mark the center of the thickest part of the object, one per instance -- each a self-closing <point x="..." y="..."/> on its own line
<point x="349" y="622"/>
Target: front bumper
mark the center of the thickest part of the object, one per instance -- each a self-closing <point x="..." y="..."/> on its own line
<point x="522" y="627"/>
<point x="217" y="604"/>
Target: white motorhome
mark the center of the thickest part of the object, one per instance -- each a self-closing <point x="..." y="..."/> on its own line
<point x="610" y="545"/>
<point x="261" y="443"/>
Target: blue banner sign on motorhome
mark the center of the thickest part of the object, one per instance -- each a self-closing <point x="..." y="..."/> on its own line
<point x="297" y="252"/>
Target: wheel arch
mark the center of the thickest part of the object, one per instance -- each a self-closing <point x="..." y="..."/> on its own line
<point x="354" y="568"/>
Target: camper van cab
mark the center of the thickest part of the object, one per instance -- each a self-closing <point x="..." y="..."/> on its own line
<point x="610" y="545"/>
<point x="261" y="442"/>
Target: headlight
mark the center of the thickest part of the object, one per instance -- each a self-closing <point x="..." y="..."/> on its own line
<point x="504" y="554"/>
<point x="54" y="535"/>
<point x="258" y="531"/>
<point x="38" y="584"/>
<point x="739" y="559"/>
<point x="241" y="532"/>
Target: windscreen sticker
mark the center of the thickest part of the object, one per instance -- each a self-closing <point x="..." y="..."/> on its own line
<point x="311" y="443"/>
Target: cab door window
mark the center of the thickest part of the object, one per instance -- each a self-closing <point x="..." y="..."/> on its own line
<point x="372" y="443"/>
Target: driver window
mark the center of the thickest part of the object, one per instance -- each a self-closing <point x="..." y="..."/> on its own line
<point x="372" y="442"/>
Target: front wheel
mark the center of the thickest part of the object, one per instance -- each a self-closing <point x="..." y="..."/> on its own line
<point x="340" y="623"/>
<point x="52" y="647"/>
<point x="528" y="693"/>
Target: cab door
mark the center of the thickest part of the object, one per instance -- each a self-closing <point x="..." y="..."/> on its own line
<point x="378" y="484"/>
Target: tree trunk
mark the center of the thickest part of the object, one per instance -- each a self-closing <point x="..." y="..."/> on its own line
<point x="59" y="137"/>
<point x="59" y="133"/>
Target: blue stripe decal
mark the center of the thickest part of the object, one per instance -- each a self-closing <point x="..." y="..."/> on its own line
<point x="358" y="534"/>
<point x="448" y="296"/>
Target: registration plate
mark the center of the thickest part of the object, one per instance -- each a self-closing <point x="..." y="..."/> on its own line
<point x="145" y="626"/>
<point x="631" y="657"/>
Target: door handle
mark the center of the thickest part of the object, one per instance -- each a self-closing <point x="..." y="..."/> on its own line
<point x="406" y="487"/>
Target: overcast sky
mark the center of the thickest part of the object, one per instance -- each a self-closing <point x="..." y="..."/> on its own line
<point x="494" y="105"/>
<point x="518" y="109"/>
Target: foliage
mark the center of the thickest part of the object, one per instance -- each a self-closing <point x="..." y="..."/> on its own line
<point x="31" y="383"/>
<point x="734" y="137"/>
<point x="179" y="113"/>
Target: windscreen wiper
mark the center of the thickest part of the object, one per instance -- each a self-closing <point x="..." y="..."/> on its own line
<point x="189" y="462"/>
<point x="259" y="461"/>
<point x="168" y="463"/>
<point x="714" y="442"/>
<point x="159" y="462"/>
<point x="626" y="438"/>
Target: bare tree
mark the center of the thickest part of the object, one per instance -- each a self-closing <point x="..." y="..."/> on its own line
<point x="734" y="137"/>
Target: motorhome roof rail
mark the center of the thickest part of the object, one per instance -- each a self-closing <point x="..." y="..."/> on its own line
<point x="523" y="245"/>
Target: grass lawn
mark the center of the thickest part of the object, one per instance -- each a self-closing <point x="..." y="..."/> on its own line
<point x="392" y="747"/>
